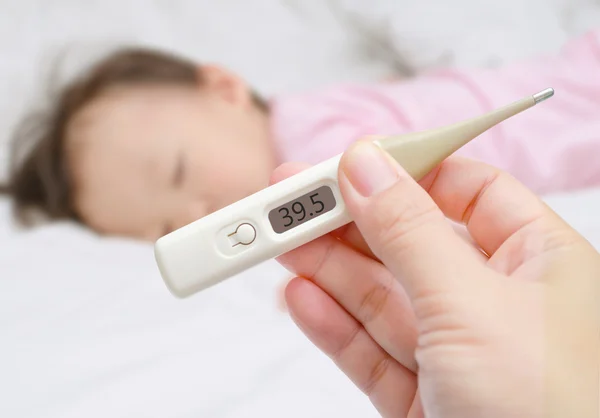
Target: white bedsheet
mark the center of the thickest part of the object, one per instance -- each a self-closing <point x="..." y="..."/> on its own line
<point x="87" y="328"/>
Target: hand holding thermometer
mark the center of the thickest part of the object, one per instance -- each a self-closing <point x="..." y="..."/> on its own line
<point x="299" y="209"/>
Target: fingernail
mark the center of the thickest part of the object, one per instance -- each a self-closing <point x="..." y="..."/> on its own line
<point x="368" y="169"/>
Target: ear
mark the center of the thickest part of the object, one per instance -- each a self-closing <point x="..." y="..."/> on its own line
<point x="225" y="84"/>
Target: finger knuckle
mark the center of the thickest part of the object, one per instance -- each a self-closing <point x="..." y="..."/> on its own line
<point x="496" y="177"/>
<point x="540" y="236"/>
<point x="321" y="263"/>
<point x="435" y="311"/>
<point x="337" y="354"/>
<point x="375" y="300"/>
<point x="556" y="238"/>
<point x="376" y="375"/>
<point x="400" y="223"/>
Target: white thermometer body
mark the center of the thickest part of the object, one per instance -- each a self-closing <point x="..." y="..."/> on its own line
<point x="260" y="227"/>
<point x="298" y="209"/>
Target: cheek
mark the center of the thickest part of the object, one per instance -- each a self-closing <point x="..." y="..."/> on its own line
<point x="229" y="181"/>
<point x="214" y="178"/>
<point x="224" y="169"/>
<point x="227" y="177"/>
<point x="229" y="166"/>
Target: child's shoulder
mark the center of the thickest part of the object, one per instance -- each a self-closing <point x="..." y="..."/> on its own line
<point x="319" y="123"/>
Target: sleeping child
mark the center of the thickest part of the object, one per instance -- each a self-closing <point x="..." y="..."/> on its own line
<point x="145" y="142"/>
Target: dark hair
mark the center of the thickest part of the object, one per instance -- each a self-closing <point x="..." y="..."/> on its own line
<point x="39" y="178"/>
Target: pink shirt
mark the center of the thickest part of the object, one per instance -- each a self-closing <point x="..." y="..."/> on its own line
<point x="554" y="146"/>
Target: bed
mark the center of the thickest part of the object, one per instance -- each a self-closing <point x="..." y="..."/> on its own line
<point x="87" y="327"/>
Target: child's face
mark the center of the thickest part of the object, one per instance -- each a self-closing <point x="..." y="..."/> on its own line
<point x="150" y="160"/>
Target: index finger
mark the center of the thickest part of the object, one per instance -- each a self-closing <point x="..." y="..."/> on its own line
<point x="492" y="204"/>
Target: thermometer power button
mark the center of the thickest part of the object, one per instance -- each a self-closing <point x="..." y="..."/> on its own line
<point x="244" y="234"/>
<point x="236" y="238"/>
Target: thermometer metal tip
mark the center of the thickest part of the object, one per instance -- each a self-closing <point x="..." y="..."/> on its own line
<point x="543" y="95"/>
<point x="299" y="209"/>
<point x="420" y="152"/>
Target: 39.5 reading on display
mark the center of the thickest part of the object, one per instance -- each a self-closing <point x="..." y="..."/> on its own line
<point x="302" y="209"/>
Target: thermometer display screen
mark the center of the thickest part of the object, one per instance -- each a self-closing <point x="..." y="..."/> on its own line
<point x="302" y="209"/>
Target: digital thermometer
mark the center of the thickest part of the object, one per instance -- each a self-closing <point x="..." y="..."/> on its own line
<point x="298" y="209"/>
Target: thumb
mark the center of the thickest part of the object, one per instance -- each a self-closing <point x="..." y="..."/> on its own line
<point x="402" y="224"/>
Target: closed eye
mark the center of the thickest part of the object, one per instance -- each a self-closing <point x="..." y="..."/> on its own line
<point x="167" y="229"/>
<point x="179" y="172"/>
<point x="177" y="179"/>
